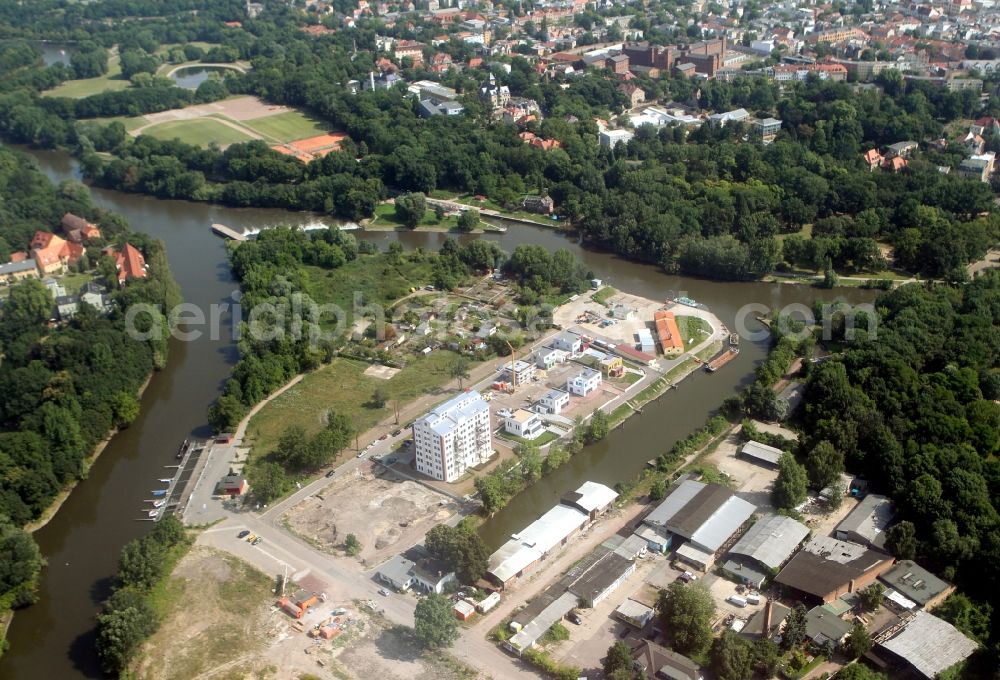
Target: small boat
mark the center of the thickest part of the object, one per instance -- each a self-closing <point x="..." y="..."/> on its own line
<point x="159" y="492"/>
<point x="182" y="449"/>
<point x="168" y="480"/>
<point x="734" y="339"/>
<point x="159" y="504"/>
<point x="153" y="513"/>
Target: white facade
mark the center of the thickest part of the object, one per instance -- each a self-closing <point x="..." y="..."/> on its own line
<point x="612" y="138"/>
<point x="568" y="342"/>
<point x="521" y="373"/>
<point x="553" y="401"/>
<point x="524" y="424"/>
<point x="584" y="382"/>
<point x="454" y="436"/>
<point x="547" y="357"/>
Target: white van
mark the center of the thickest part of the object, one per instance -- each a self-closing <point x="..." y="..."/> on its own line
<point x="753" y="598"/>
<point x="736" y="600"/>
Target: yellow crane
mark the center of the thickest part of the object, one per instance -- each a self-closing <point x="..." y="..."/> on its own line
<point x="513" y="373"/>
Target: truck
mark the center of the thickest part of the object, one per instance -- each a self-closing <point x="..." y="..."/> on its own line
<point x="753" y="598"/>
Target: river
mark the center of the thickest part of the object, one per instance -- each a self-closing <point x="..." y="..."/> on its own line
<point x="54" y="638"/>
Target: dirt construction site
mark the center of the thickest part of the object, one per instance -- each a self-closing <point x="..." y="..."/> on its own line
<point x="387" y="514"/>
<point x="239" y="632"/>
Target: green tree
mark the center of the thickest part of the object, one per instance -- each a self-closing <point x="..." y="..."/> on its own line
<point x="458" y="369"/>
<point x="122" y="626"/>
<point x="687" y="611"/>
<point x="531" y="462"/>
<point x="795" y="628"/>
<point x="858" y="642"/>
<point x="598" y="427"/>
<point x="352" y="545"/>
<point x="732" y="657"/>
<point x="20" y="563"/>
<point x="379" y="398"/>
<point x="658" y="490"/>
<point x="972" y="618"/>
<point x="410" y="209"/>
<point x="872" y="596"/>
<point x="468" y="220"/>
<point x="901" y="540"/>
<point x="824" y="464"/>
<point x="267" y="480"/>
<point x="766" y="656"/>
<point x="461" y="549"/>
<point x="619" y="658"/>
<point x="434" y="622"/>
<point x="125" y="408"/>
<point x="791" y="485"/>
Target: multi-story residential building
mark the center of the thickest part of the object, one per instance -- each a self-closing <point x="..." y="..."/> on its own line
<point x="453" y="437"/>
<point x="584" y="382"/>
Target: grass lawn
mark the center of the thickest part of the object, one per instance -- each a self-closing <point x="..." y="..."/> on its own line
<point x="385" y="215"/>
<point x="200" y="131"/>
<point x="343" y="387"/>
<point x="619" y="415"/>
<point x="376" y="278"/>
<point x="77" y="89"/>
<point x="693" y="330"/>
<point x="287" y="127"/>
<point x="603" y="295"/>
<point x="73" y="282"/>
<point x="806" y="232"/>
<point x="489" y="204"/>
<point x="541" y="440"/>
<point x="130" y="122"/>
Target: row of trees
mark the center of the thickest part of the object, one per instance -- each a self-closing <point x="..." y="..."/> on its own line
<point x="127" y="618"/>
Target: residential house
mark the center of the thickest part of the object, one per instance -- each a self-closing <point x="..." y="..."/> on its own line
<point x="129" y="262"/>
<point x="79" y="230"/>
<point x="520" y="372"/>
<point x="66" y="307"/>
<point x="636" y="95"/>
<point x="612" y="138"/>
<point x="766" y="129"/>
<point x="656" y="661"/>
<point x="973" y="143"/>
<point x="409" y="48"/>
<point x="979" y="167"/>
<point x="873" y="159"/>
<point x="542" y="205"/>
<point x="901" y="149"/>
<point x="416" y="569"/>
<point x="823" y="625"/>
<point x="16" y="271"/>
<point x="568" y="342"/>
<point x="547" y="357"/>
<point x="497" y="96"/>
<point x="53" y="253"/>
<point x="668" y="333"/>
<point x="524" y="424"/>
<point x="94" y="295"/>
<point x="611" y="366"/>
<point x="553" y="401"/>
<point x="584" y="382"/>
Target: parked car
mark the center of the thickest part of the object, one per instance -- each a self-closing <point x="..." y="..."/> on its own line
<point x="383" y="591"/>
<point x="257" y="541"/>
<point x="250" y="538"/>
<point x="362" y="452"/>
<point x="243" y="534"/>
<point x="396" y="433"/>
<point x="391" y="460"/>
<point x="331" y="473"/>
<point x="575" y="618"/>
<point x="385" y="436"/>
<point x="687" y="577"/>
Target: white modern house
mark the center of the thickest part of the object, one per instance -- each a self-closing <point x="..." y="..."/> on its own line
<point x="553" y="401"/>
<point x="584" y="382"/>
<point x="524" y="424"/>
<point x="521" y="373"/>
<point x="568" y="342"/>
<point x="547" y="357"/>
<point x="454" y="436"/>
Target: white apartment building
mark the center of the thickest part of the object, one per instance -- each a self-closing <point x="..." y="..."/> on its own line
<point x="524" y="424"/>
<point x="454" y="436"/>
<point x="584" y="382"/>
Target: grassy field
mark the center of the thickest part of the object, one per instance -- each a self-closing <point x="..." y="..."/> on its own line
<point x="343" y="387"/>
<point x="200" y="131"/>
<point x="77" y="89"/>
<point x="376" y="278"/>
<point x="130" y="122"/>
<point x="693" y="330"/>
<point x="604" y="294"/>
<point x="385" y="216"/>
<point x="287" y="127"/>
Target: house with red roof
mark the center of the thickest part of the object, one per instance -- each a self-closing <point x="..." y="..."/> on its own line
<point x="129" y="262"/>
<point x="53" y="253"/>
<point x="79" y="230"/>
<point x="873" y="159"/>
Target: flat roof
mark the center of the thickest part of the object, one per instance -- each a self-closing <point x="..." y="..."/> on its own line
<point x="771" y="540"/>
<point x="633" y="610"/>
<point x="930" y="645"/>
<point x="723" y="523"/>
<point x="443" y="418"/>
<point x="598" y="572"/>
<point x="690" y="517"/>
<point x="914" y="582"/>
<point x="674" y="501"/>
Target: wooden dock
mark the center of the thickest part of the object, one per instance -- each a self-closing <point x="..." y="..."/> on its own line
<point x="721" y="360"/>
<point x="225" y="232"/>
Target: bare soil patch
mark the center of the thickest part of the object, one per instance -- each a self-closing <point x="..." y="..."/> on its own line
<point x="386" y="513"/>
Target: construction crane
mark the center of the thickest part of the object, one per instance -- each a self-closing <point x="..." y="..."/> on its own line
<point x="513" y="357"/>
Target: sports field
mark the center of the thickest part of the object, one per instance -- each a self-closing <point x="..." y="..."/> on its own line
<point x="286" y="127"/>
<point x="200" y="131"/>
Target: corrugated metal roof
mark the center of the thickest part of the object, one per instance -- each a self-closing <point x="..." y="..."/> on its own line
<point x="535" y="628"/>
<point x="869" y="519"/>
<point x="699" y="510"/>
<point x="931" y="645"/>
<point x="673" y="503"/>
<point x="534" y="541"/>
<point x="764" y="452"/>
<point x="771" y="540"/>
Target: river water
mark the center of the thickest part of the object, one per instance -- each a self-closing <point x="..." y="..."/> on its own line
<point x="54" y="638"/>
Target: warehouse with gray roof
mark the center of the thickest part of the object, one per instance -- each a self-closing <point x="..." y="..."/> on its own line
<point x="867" y="522"/>
<point x="764" y="548"/>
<point x="929" y="645"/>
